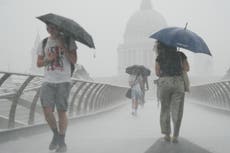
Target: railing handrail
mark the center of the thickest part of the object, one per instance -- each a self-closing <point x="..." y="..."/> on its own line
<point x="216" y="94"/>
<point x="89" y="105"/>
<point x="39" y="75"/>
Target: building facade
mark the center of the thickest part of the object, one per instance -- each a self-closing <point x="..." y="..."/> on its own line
<point x="137" y="47"/>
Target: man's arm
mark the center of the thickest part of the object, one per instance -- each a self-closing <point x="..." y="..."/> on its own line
<point x="42" y="61"/>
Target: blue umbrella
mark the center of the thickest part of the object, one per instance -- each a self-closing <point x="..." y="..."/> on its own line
<point x="183" y="38"/>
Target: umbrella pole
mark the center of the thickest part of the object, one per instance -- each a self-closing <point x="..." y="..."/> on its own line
<point x="184" y="29"/>
<point x="186" y="26"/>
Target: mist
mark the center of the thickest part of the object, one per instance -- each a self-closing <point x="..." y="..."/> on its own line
<point x="106" y="21"/>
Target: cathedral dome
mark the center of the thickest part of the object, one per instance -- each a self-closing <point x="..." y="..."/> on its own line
<point x="143" y="23"/>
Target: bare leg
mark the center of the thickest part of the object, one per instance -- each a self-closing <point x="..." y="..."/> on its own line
<point x="50" y="118"/>
<point x="133" y="104"/>
<point x="62" y="129"/>
<point x="62" y="122"/>
<point x="134" y="107"/>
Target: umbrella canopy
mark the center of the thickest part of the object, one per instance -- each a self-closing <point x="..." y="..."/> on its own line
<point x="183" y="38"/>
<point x="69" y="27"/>
<point x="136" y="69"/>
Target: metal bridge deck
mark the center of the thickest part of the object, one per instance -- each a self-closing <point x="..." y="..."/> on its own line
<point x="203" y="131"/>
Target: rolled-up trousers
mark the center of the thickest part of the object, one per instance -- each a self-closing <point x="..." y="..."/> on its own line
<point x="171" y="94"/>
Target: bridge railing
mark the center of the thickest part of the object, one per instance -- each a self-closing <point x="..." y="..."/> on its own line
<point x="20" y="106"/>
<point x="216" y="94"/>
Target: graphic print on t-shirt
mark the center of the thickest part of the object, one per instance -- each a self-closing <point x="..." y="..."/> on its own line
<point x="57" y="63"/>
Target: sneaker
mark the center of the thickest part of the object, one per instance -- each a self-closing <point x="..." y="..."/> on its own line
<point x="167" y="138"/>
<point x="174" y="140"/>
<point x="54" y="143"/>
<point x="61" y="148"/>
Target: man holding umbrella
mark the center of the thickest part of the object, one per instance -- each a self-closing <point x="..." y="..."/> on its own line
<point x="57" y="54"/>
<point x="56" y="57"/>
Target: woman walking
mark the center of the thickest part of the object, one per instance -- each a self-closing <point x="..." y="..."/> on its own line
<point x="169" y="68"/>
<point x="136" y="92"/>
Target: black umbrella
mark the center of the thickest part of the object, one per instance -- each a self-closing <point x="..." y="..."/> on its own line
<point x="69" y="27"/>
<point x="144" y="71"/>
<point x="136" y="69"/>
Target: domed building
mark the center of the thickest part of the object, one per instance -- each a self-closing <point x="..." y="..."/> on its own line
<point x="137" y="47"/>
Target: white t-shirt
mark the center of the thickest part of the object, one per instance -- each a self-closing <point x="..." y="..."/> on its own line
<point x="59" y="70"/>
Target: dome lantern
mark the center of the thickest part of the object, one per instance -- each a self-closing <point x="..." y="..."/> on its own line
<point x="146" y="5"/>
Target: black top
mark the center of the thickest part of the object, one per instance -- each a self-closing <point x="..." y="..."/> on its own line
<point x="170" y="63"/>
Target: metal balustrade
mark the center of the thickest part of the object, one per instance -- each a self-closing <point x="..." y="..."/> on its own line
<point x="216" y="94"/>
<point x="85" y="98"/>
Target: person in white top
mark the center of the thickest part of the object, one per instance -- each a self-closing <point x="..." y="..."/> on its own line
<point x="56" y="57"/>
<point x="136" y="92"/>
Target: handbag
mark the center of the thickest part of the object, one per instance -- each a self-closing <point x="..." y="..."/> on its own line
<point x="128" y="93"/>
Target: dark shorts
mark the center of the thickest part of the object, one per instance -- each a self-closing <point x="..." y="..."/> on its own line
<point x="55" y="94"/>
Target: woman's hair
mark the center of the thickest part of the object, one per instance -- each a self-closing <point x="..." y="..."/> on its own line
<point x="168" y="59"/>
<point x="161" y="47"/>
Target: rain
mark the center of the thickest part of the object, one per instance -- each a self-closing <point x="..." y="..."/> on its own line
<point x="108" y="23"/>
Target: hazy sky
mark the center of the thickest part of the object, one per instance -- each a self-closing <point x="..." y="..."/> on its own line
<point x="106" y="20"/>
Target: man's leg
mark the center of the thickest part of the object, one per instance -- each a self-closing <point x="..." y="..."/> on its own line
<point x="62" y="105"/>
<point x="63" y="121"/>
<point x="47" y="98"/>
<point x="50" y="118"/>
<point x="62" y="130"/>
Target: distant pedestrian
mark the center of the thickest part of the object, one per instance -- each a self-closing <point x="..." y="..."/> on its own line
<point x="169" y="68"/>
<point x="144" y="87"/>
<point x="136" y="92"/>
<point x="56" y="57"/>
